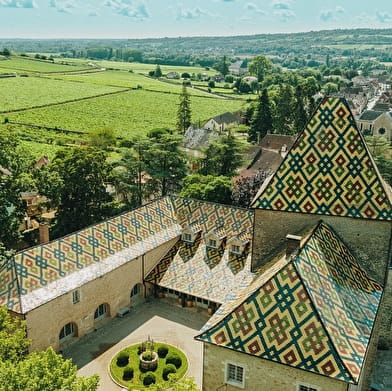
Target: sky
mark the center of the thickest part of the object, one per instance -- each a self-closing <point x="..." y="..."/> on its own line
<point x="173" y="18"/>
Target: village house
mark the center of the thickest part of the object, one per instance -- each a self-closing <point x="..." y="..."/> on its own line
<point x="221" y="122"/>
<point x="295" y="281"/>
<point x="376" y="123"/>
<point x="237" y="68"/>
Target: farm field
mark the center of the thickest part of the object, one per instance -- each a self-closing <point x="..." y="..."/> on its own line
<point x="127" y="80"/>
<point x="26" y="92"/>
<point x="24" y="64"/>
<point x="129" y="114"/>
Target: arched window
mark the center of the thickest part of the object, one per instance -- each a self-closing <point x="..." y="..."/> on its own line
<point x="67" y="332"/>
<point x="101" y="312"/>
<point x="136" y="290"/>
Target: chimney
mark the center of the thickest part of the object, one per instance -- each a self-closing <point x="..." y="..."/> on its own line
<point x="43" y="233"/>
<point x="293" y="243"/>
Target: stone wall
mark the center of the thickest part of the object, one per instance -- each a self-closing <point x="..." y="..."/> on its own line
<point x="45" y="322"/>
<point x="259" y="374"/>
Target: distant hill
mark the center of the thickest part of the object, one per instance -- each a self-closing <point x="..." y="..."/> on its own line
<point x="368" y="42"/>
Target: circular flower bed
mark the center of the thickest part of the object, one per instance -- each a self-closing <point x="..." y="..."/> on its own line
<point x="128" y="367"/>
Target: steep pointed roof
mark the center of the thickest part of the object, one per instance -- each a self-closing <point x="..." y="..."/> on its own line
<point x="315" y="313"/>
<point x="328" y="171"/>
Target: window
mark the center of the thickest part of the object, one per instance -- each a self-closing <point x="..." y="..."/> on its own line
<point x="101" y="312"/>
<point x="136" y="290"/>
<point x="235" y="249"/>
<point x="307" y="387"/>
<point x="381" y="131"/>
<point x="68" y="331"/>
<point x="187" y="237"/>
<point x="212" y="243"/>
<point x="75" y="297"/>
<point x="235" y="375"/>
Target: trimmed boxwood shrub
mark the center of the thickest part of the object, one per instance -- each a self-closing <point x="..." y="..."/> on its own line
<point x="173" y="358"/>
<point x="162" y="351"/>
<point x="169" y="368"/>
<point x="148" y="378"/>
<point x="140" y="350"/>
<point x="122" y="359"/>
<point x="128" y="373"/>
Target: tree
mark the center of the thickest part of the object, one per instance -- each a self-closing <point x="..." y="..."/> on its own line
<point x="83" y="199"/>
<point x="6" y="52"/>
<point x="129" y="174"/>
<point x="165" y="164"/>
<point x="103" y="138"/>
<point x="184" y="112"/>
<point x="174" y="384"/>
<point x="283" y="118"/>
<point x="261" y="121"/>
<point x="36" y="371"/>
<point x="222" y="67"/>
<point x="259" y="67"/>
<point x="14" y="164"/>
<point x="223" y="157"/>
<point x="208" y="188"/>
<point x="299" y="112"/>
<point x="158" y="72"/>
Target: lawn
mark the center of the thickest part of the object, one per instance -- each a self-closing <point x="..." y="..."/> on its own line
<point x="129" y="114"/>
<point x="25" y="64"/>
<point x="26" y="92"/>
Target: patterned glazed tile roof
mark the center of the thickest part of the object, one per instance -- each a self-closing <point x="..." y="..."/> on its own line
<point x="41" y="273"/>
<point x="328" y="171"/>
<point x="315" y="313"/>
<point x="195" y="269"/>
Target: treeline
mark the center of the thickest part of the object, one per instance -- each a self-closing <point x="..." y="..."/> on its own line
<point x="186" y="50"/>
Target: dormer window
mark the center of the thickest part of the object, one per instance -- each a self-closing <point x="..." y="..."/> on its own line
<point x="190" y="233"/>
<point x="238" y="243"/>
<point x="235" y="249"/>
<point x="187" y="237"/>
<point x="212" y="243"/>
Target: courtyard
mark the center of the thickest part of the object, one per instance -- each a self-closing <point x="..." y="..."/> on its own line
<point x="158" y="319"/>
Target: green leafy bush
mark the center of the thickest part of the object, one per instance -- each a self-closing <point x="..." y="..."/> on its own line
<point x="147" y="356"/>
<point x="173" y="358"/>
<point x="162" y="351"/>
<point x="148" y="378"/>
<point x="122" y="359"/>
<point x="167" y="370"/>
<point x="128" y="373"/>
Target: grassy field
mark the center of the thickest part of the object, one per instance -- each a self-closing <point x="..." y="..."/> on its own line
<point x="129" y="114"/>
<point x="24" y="64"/>
<point x="25" y="92"/>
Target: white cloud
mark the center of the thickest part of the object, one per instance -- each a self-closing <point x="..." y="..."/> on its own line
<point x="331" y="14"/>
<point x="129" y="8"/>
<point x="384" y="16"/>
<point x="281" y="4"/>
<point x="254" y="8"/>
<point x="18" y="3"/>
<point x="62" y="6"/>
<point x="186" y="13"/>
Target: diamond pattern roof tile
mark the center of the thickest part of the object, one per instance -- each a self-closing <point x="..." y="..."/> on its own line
<point x="328" y="171"/>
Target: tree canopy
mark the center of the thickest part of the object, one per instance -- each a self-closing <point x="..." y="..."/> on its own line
<point x="184" y="112"/>
<point x="260" y="66"/>
<point x="36" y="371"/>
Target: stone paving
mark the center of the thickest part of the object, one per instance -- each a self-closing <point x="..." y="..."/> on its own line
<point x="382" y="371"/>
<point x="162" y="321"/>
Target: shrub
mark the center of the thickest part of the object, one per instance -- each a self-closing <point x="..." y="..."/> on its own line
<point x="162" y="351"/>
<point x="147" y="356"/>
<point x="140" y="350"/>
<point x="167" y="370"/>
<point x="148" y="378"/>
<point x="122" y="359"/>
<point x="173" y="358"/>
<point x="128" y="373"/>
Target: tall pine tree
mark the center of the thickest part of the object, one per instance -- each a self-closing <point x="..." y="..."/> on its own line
<point x="261" y="122"/>
<point x="184" y="112"/>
